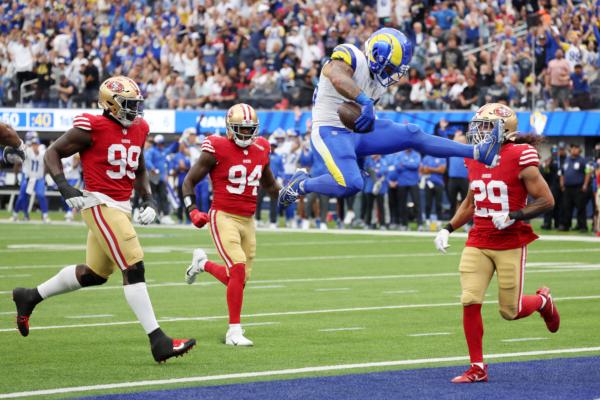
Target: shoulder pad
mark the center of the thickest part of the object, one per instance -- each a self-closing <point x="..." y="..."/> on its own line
<point x="83" y="121"/>
<point x="344" y="53"/>
<point x="207" y="145"/>
<point x="528" y="156"/>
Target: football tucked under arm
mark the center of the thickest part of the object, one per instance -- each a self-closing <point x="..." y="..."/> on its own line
<point x="349" y="112"/>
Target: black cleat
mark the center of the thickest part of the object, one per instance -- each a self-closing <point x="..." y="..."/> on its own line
<point x="165" y="348"/>
<point x="25" y="300"/>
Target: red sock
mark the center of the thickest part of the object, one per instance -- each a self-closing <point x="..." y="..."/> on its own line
<point x="235" y="292"/>
<point x="529" y="305"/>
<point x="218" y="271"/>
<point x="473" y="326"/>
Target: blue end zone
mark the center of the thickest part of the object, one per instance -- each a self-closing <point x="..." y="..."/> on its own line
<point x="565" y="378"/>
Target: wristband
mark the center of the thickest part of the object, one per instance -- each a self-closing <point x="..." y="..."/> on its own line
<point x="516" y="215"/>
<point x="60" y="180"/>
<point x="449" y="227"/>
<point x="363" y="99"/>
<point x="189" y="202"/>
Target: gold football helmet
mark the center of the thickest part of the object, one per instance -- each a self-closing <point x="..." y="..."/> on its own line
<point x="122" y="99"/>
<point x="242" y="124"/>
<point x="485" y="118"/>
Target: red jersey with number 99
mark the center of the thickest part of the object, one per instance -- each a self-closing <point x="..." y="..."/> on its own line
<point x="236" y="176"/>
<point x="109" y="164"/>
<point x="499" y="189"/>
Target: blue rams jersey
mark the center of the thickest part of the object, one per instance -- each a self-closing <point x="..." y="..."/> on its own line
<point x="377" y="169"/>
<point x="407" y="168"/>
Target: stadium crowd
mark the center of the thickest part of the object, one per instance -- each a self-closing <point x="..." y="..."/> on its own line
<point x="206" y="53"/>
<point x="402" y="191"/>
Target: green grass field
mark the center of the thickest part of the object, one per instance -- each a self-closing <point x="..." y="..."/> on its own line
<point x="315" y="299"/>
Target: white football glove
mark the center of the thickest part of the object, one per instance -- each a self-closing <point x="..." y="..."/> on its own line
<point x="501" y="220"/>
<point x="441" y="240"/>
<point x="147" y="215"/>
<point x="76" y="202"/>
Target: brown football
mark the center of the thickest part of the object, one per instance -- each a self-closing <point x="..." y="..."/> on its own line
<point x="348" y="112"/>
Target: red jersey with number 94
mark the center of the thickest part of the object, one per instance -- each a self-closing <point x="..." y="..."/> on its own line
<point x="109" y="164"/>
<point x="499" y="189"/>
<point x="236" y="176"/>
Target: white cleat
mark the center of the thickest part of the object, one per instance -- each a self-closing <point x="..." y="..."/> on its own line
<point x="199" y="259"/>
<point x="235" y="337"/>
<point x="69" y="216"/>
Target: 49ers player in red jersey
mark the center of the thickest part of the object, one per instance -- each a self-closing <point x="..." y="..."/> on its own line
<point x="237" y="164"/>
<point x="110" y="146"/>
<point x="497" y="203"/>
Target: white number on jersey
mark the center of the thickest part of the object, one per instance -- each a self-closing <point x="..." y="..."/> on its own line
<point x="238" y="175"/>
<point x="126" y="158"/>
<point x="496" y="192"/>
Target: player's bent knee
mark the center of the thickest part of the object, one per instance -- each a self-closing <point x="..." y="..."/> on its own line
<point x="468" y="298"/>
<point x="509" y="313"/>
<point x="134" y="274"/>
<point x="354" y="185"/>
<point x="87" y="277"/>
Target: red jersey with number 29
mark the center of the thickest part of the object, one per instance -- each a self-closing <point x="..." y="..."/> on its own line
<point x="110" y="163"/>
<point x="499" y="189"/>
<point x="236" y="176"/>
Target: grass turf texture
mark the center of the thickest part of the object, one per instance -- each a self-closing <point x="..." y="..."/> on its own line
<point x="293" y="272"/>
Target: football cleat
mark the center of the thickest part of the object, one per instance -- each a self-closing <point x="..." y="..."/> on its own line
<point x="166" y="348"/>
<point x="25" y="300"/>
<point x="235" y="337"/>
<point x="487" y="151"/>
<point x="290" y="192"/>
<point x="549" y="312"/>
<point x="199" y="259"/>
<point x="473" y="375"/>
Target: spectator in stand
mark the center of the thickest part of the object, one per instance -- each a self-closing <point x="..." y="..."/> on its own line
<point x="574" y="183"/>
<point x="558" y="80"/>
<point x="453" y="56"/>
<point x="432" y="170"/>
<point x="580" y="96"/>
<point x="469" y="96"/>
<point x="177" y="93"/>
<point x="66" y="92"/>
<point x="498" y="92"/>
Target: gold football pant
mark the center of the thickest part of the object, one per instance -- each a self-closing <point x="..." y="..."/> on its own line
<point x="477" y="267"/>
<point x="234" y="237"/>
<point x="112" y="240"/>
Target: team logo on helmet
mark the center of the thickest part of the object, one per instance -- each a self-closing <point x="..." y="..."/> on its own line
<point x="115" y="86"/>
<point x="503" y="112"/>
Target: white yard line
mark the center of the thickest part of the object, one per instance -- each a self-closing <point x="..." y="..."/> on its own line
<point x="589" y="268"/>
<point x="430" y="334"/>
<point x="89" y="316"/>
<point x="14" y="312"/>
<point x="332" y="289"/>
<point x="265" y="287"/>
<point x="335" y="232"/>
<point x="400" y="291"/>
<point x="525" y="339"/>
<point x="15" y="276"/>
<point x="358" y="328"/>
<point x="287" y="313"/>
<point x="291" y="371"/>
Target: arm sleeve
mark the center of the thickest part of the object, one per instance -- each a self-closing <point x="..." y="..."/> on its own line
<point x="83" y="121"/>
<point x="207" y="146"/>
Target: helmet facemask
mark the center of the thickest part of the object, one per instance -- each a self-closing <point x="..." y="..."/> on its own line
<point x="478" y="130"/>
<point x="243" y="134"/>
<point x="130" y="110"/>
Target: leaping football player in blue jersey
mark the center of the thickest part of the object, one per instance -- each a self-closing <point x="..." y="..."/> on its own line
<point x="363" y="77"/>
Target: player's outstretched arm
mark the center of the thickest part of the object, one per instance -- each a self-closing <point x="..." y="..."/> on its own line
<point x="269" y="183"/>
<point x="199" y="170"/>
<point x="71" y="142"/>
